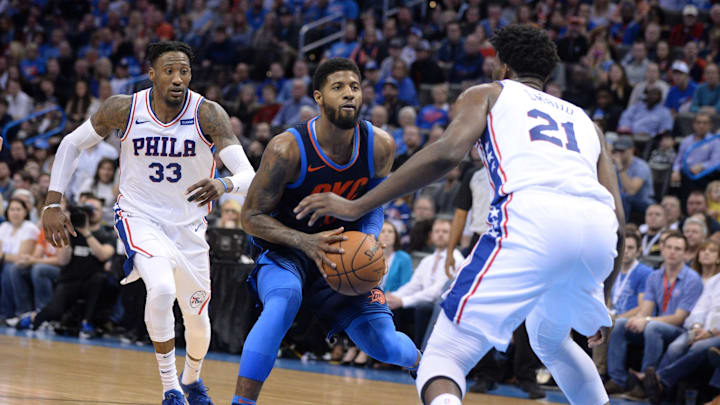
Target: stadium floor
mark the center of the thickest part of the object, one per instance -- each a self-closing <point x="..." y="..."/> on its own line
<point x="44" y="368"/>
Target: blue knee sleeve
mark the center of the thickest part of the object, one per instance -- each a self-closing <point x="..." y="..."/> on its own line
<point x="375" y="334"/>
<point x="280" y="293"/>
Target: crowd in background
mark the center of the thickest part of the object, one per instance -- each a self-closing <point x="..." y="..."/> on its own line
<point x="646" y="71"/>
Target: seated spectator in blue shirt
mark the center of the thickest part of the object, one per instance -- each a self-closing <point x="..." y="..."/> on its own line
<point x="220" y="51"/>
<point x="345" y="47"/>
<point x="469" y="67"/>
<point x="688" y="352"/>
<point x="289" y="113"/>
<point x="708" y="94"/>
<point x="437" y="112"/>
<point x="406" y="87"/>
<point x="634" y="177"/>
<point x="406" y="117"/>
<point x="348" y="8"/>
<point x="33" y="66"/>
<point x="300" y="71"/>
<point x="256" y="15"/>
<point x="682" y="91"/>
<point x="647" y="117"/>
<point x="627" y="30"/>
<point x="670" y="296"/>
<point x="494" y="20"/>
<point x="699" y="158"/>
<point x="276" y="80"/>
<point x="398" y="261"/>
<point x="451" y="48"/>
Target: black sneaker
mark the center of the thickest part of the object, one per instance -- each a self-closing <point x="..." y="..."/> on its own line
<point x="653" y="386"/>
<point x="482" y="386"/>
<point x="533" y="389"/>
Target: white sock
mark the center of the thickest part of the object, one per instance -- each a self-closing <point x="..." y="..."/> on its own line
<point x="191" y="373"/>
<point x="446" y="399"/>
<point x="168" y="371"/>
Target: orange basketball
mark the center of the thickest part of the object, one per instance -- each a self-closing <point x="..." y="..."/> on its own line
<point x="360" y="268"/>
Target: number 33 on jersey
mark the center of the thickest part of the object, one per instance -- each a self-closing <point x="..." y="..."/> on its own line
<point x="160" y="160"/>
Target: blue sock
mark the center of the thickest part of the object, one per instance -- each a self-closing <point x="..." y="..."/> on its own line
<point x="375" y="334"/>
<point x="238" y="400"/>
<point x="280" y="292"/>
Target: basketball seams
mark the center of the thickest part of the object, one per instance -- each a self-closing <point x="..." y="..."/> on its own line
<point x="348" y="270"/>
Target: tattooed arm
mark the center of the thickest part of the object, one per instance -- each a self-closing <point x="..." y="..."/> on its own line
<point x="279" y="166"/>
<point x="112" y="115"/>
<point x="215" y="125"/>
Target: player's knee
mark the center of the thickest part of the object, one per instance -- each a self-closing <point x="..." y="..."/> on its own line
<point x="282" y="304"/>
<point x="161" y="295"/>
<point x="197" y="326"/>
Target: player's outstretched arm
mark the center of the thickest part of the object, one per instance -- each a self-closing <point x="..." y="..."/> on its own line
<point x="112" y="115"/>
<point x="424" y="167"/>
<point x="279" y="166"/>
<point x="215" y="124"/>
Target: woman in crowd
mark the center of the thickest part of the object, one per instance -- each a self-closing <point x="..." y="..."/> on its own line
<point x="102" y="185"/>
<point x="80" y="105"/>
<point x="17" y="238"/>
<point x="707" y="260"/>
<point x="229" y="215"/>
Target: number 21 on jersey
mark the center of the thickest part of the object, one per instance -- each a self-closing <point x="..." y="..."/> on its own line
<point x="540" y="132"/>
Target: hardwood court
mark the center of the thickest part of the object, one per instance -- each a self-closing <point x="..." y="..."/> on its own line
<point x="35" y="371"/>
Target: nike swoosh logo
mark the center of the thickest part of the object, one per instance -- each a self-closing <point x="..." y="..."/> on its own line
<point x="138" y="122"/>
<point x="314" y="169"/>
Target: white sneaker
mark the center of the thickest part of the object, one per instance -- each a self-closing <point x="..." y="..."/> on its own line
<point x="12" y="321"/>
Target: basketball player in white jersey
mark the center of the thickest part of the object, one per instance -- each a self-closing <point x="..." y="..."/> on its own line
<point x="168" y="136"/>
<point x="553" y="233"/>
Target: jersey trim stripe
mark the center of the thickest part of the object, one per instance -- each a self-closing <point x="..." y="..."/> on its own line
<point x="303" y="160"/>
<point x="131" y="117"/>
<point x="488" y="264"/>
<point x="499" y="155"/>
<point x="327" y="160"/>
<point x="174" y="120"/>
<point x="203" y="305"/>
<point x="197" y="123"/>
<point x="212" y="176"/>
<point x="371" y="149"/>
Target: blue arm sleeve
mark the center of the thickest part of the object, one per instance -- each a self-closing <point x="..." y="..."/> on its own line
<point x="372" y="222"/>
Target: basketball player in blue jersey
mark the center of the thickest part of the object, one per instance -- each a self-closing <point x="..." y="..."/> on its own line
<point x="331" y="152"/>
<point x="556" y="222"/>
<point x="168" y="134"/>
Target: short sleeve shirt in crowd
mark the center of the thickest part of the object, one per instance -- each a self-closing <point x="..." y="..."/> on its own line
<point x="11" y="241"/>
<point x="639" y="168"/>
<point x="83" y="263"/>
<point x="684" y="292"/>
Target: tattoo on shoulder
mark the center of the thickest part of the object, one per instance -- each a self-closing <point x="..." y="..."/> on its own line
<point x="215" y="124"/>
<point x="112" y="115"/>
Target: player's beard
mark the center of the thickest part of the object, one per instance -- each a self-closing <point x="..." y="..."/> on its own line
<point x="340" y="120"/>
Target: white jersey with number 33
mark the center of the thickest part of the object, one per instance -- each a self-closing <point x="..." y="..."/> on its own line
<point x="533" y="139"/>
<point x="159" y="161"/>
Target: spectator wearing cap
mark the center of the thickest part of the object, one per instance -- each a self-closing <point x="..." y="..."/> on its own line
<point x="390" y="100"/>
<point x="345" y="47"/>
<point x="409" y="52"/>
<point x="469" y="67"/>
<point x="372" y="75"/>
<point x="627" y="30"/>
<point x="394" y="51"/>
<point x="286" y="31"/>
<point x="634" y="177"/>
<point x="425" y="70"/>
<point x="696" y="159"/>
<point x="220" y="51"/>
<point x="289" y="113"/>
<point x="690" y="29"/>
<point x="122" y="83"/>
<point x="683" y="89"/>
<point x="574" y="44"/>
<point x="605" y="113"/>
<point x="437" y="112"/>
<point x="369" y="49"/>
<point x="707" y="94"/>
<point x="652" y="78"/>
<point x="670" y="296"/>
<point x="647" y="117"/>
<point x="451" y="48"/>
<point x="405" y="86"/>
<point x="636" y="63"/>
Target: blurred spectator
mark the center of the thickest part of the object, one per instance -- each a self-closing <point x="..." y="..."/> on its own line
<point x="636" y="63"/>
<point x="664" y="156"/>
<point x="660" y="317"/>
<point x="44" y="270"/>
<point x="347" y="45"/>
<point x="270" y="107"/>
<point x="494" y="20"/>
<point x="648" y="118"/>
<point x="707" y="94"/>
<point x="413" y="142"/>
<point x="102" y="185"/>
<point x="469" y="66"/>
<point x="635" y="178"/>
<point x="619" y="85"/>
<point x="427" y="282"/>
<point x="18" y="158"/>
<point x="369" y="49"/>
<point x="696" y="232"/>
<point x="80" y="106"/>
<point x="689" y="350"/>
<point x="580" y="90"/>
<point x="229" y="215"/>
<point x="627" y="30"/>
<point x="696" y="205"/>
<point x="690" y="29"/>
<point x="673" y="211"/>
<point x="472" y="200"/>
<point x="6" y="184"/>
<point x="664" y="60"/>
<point x="240" y="78"/>
<point x="379" y="117"/>
<point x="425" y="69"/>
<point x="655" y="224"/>
<point x="398" y="262"/>
<point x="625" y="294"/>
<point x="652" y="78"/>
<point x="247" y="104"/>
<point x="437" y="112"/>
<point x="712" y="193"/>
<point x="444" y="196"/>
<point x="683" y="89"/>
<point x="368" y="93"/>
<point x="289" y="113"/>
<point x="19" y="103"/>
<point x="652" y="36"/>
<point x="17" y="238"/>
<point x="695" y="63"/>
<point x="601" y="12"/>
<point x="698" y="152"/>
<point x="33" y="66"/>
<point x="392" y="102"/>
<point x="286" y="31"/>
<point x="409" y="53"/>
<point x="405" y="86"/>
<point x="573" y="45"/>
<point x="605" y="114"/>
<point x="406" y="117"/>
<point x="707" y="260"/>
<point x="451" y="48"/>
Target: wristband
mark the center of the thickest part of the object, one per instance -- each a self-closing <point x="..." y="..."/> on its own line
<point x="55" y="205"/>
<point x="224" y="183"/>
